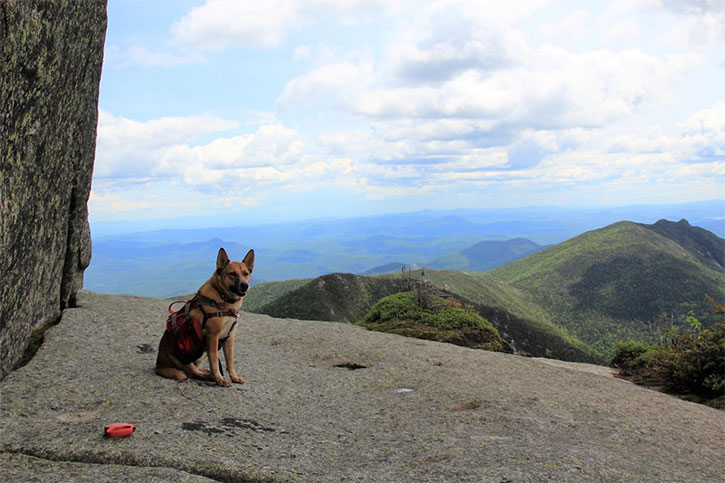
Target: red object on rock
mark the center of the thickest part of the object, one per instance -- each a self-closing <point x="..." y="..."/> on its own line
<point x="118" y="430"/>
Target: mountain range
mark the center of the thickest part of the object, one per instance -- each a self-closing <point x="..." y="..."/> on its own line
<point x="179" y="255"/>
<point x="570" y="301"/>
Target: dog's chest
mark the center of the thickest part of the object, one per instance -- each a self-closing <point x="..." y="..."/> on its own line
<point x="227" y="326"/>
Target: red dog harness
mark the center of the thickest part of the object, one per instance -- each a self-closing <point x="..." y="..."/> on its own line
<point x="188" y="332"/>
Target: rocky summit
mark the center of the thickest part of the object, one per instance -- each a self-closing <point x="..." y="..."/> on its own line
<point x="326" y="401"/>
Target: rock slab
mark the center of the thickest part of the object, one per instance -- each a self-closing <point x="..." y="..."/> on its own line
<point x="334" y="402"/>
<point x="51" y="52"/>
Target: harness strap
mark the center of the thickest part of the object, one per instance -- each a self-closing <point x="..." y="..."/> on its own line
<point x="223" y="341"/>
<point x="201" y="300"/>
<point x="173" y="322"/>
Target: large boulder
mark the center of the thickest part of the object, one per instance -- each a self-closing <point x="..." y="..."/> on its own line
<point x="51" y="53"/>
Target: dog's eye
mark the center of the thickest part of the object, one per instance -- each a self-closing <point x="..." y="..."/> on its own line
<point x="245" y="273"/>
<point x="234" y="274"/>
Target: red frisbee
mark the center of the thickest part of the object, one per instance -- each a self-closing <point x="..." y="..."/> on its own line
<point x="118" y="430"/>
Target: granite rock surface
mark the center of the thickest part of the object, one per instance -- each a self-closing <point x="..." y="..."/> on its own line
<point x="326" y="401"/>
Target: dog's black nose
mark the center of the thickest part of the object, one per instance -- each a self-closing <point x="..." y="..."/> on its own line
<point x="241" y="288"/>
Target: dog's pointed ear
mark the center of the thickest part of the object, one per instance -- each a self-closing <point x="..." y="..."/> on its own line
<point x="222" y="259"/>
<point x="249" y="260"/>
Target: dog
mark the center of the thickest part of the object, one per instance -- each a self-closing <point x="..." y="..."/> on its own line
<point x="212" y="317"/>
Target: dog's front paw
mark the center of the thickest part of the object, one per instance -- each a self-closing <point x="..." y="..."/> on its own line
<point x="223" y="382"/>
<point x="237" y="379"/>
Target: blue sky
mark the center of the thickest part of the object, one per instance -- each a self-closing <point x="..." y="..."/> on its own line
<point x="266" y="111"/>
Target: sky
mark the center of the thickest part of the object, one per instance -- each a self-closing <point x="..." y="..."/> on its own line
<point x="276" y="110"/>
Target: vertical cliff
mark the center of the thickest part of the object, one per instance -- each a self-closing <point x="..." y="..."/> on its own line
<point x="51" y="53"/>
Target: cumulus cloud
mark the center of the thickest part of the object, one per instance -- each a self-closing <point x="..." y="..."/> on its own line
<point x="689" y="7"/>
<point x="126" y="148"/>
<point x="460" y="97"/>
<point x="450" y="39"/>
<point x="461" y="76"/>
<point x="218" y="23"/>
<point x="163" y="148"/>
<point x="138" y="55"/>
<point x="323" y="80"/>
<point x="699" y="139"/>
<point x="576" y="24"/>
<point x="551" y="88"/>
<point x="698" y="23"/>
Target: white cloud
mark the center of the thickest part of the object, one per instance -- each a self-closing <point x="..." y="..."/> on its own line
<point x="466" y="61"/>
<point x="451" y="38"/>
<point x="698" y="23"/>
<point x="116" y="203"/>
<point x="302" y="52"/>
<point x="270" y="145"/>
<point x="323" y="80"/>
<point x="701" y="137"/>
<point x="162" y="148"/>
<point x="710" y="120"/>
<point x="624" y="30"/>
<point x="551" y="87"/>
<point x="456" y="99"/>
<point x="688" y="7"/>
<point x="138" y="55"/>
<point x="218" y="23"/>
<point x="576" y="24"/>
<point x="131" y="149"/>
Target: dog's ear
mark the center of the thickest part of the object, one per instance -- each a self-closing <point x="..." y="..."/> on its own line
<point x="222" y="259"/>
<point x="249" y="260"/>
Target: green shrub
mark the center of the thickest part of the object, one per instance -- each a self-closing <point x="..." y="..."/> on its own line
<point x="632" y="354"/>
<point x="453" y="318"/>
<point x="399" y="306"/>
<point x="690" y="361"/>
<point x="443" y="320"/>
<point x="693" y="362"/>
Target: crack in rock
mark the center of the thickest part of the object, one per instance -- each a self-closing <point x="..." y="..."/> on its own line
<point x="228" y="426"/>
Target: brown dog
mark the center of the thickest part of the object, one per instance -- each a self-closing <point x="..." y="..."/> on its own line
<point x="214" y="312"/>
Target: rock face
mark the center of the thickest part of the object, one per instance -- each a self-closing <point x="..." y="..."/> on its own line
<point x="51" y="53"/>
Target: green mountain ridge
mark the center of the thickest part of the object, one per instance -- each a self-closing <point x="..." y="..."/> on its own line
<point x="338" y="297"/>
<point x="705" y="245"/>
<point x="615" y="282"/>
<point x="342" y="297"/>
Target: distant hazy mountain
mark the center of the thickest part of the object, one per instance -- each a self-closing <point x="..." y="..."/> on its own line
<point x="486" y="255"/>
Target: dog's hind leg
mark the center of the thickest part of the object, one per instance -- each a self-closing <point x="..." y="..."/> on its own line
<point x="172" y="373"/>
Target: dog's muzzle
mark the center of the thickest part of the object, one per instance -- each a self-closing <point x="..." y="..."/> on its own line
<point x="240" y="289"/>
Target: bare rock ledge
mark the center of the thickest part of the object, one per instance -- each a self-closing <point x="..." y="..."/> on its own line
<point x="330" y="402"/>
